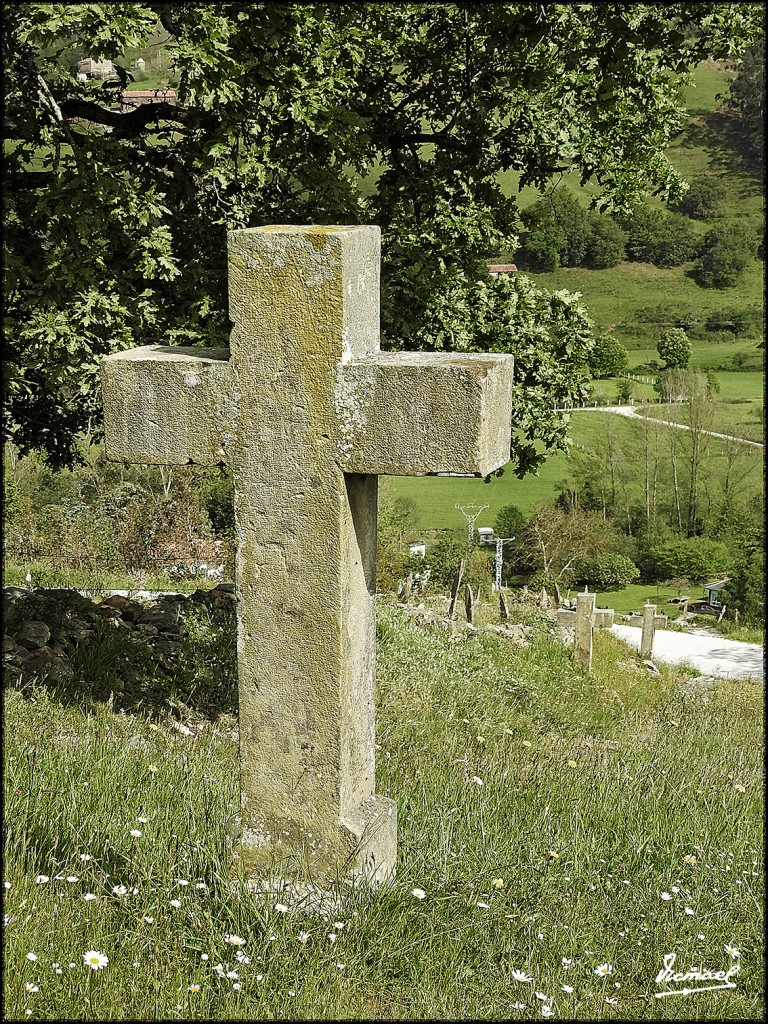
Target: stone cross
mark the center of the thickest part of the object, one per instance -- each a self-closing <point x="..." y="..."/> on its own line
<point x="651" y="622"/>
<point x="584" y="620"/>
<point x="308" y="412"/>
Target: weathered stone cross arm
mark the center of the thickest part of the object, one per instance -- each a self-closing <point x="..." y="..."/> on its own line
<point x="398" y="413"/>
<point x="308" y="412"/>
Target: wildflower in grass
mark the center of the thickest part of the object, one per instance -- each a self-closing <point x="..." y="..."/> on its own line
<point x="666" y="896"/>
<point x="338" y="925"/>
<point x="259" y="977"/>
<point x="31" y="987"/>
<point x="152" y="768"/>
<point x="136" y="833"/>
<point x="234" y="940"/>
<point x="182" y="881"/>
<point x="340" y="966"/>
<point x="6" y="885"/>
<point x="303" y="937"/>
<point x="242" y="958"/>
<point x="281" y="908"/>
<point x="90" y="896"/>
<point x="567" y="988"/>
<point x="219" y="969"/>
<point x="480" y="739"/>
<point x="527" y="743"/>
<point x="142" y="821"/>
<point x="497" y="883"/>
<point x="732" y="951"/>
<point x="148" y="919"/>
<point x="175" y="903"/>
<point x="571" y="764"/>
<point x="418" y="893"/>
<point x="200" y="885"/>
<point x="690" y="858"/>
<point x="701" y="937"/>
<point x="32" y="957"/>
<point x="194" y="987"/>
<point x="521" y="976"/>
<point x="332" y="936"/>
<point x="203" y="956"/>
<point x="237" y="986"/>
<point x="72" y="878"/>
<point x="603" y="970"/>
<point x="518" y="1006"/>
<point x="233" y="976"/>
<point x="690" y="911"/>
<point x="553" y="854"/>
<point x="95" y="960"/>
<point x="542" y="996"/>
<point x="120" y="890"/>
<point x="547" y="1011"/>
<point x="477" y="780"/>
<point x="485" y="906"/>
<point x="42" y="879"/>
<point x="567" y="963"/>
<point x="675" y="889"/>
<point x="612" y="1000"/>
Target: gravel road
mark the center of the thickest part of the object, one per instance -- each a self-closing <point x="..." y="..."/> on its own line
<point x="712" y="656"/>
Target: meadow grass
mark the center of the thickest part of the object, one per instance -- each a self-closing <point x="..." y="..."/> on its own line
<point x="558" y="835"/>
<point x="435" y="497"/>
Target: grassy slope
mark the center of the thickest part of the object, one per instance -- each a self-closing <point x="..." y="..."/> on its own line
<point x="580" y="797"/>
<point x="435" y="497"/>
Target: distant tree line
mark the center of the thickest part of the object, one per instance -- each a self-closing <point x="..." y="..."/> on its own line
<point x="563" y="232"/>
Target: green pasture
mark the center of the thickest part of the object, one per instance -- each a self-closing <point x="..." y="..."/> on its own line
<point x="737" y="417"/>
<point x="639" y="300"/>
<point x="435" y="497"/>
<point x="633" y="596"/>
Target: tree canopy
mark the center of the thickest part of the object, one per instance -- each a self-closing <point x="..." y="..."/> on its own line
<point x="403" y="115"/>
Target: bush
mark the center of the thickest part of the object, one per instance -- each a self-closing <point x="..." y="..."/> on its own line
<point x="745" y="591"/>
<point x="697" y="558"/>
<point x="559" y="231"/>
<point x="665" y="239"/>
<point x="608" y="357"/>
<point x="606" y="571"/>
<point x="607" y="243"/>
<point x="509" y="521"/>
<point x="703" y="199"/>
<point x="674" y="348"/>
<point x="726" y="253"/>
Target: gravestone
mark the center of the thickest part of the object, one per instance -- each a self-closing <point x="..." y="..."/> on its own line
<point x="584" y="619"/>
<point x="649" y="624"/>
<point x="308" y="412"/>
<point x="455" y="590"/>
<point x="469" y="603"/>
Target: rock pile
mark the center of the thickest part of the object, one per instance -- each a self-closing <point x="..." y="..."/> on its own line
<point x="42" y="628"/>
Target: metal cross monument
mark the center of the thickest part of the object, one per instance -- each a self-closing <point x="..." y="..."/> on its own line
<point x="307" y="412"/>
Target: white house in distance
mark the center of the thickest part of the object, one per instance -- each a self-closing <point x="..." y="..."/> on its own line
<point x="90" y="68"/>
<point x="712" y="590"/>
<point x="485" y="535"/>
<point x="418" y="548"/>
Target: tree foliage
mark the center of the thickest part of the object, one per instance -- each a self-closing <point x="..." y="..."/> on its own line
<point x="607" y="571"/>
<point x="675" y="349"/>
<point x="747" y="94"/>
<point x="704" y="198"/>
<point x="608" y="357"/>
<point x="115" y="220"/>
<point x="725" y="255"/>
<point x="664" y="239"/>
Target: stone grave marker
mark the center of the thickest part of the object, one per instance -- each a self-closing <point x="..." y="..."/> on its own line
<point x="584" y="619"/>
<point x="308" y="412"/>
<point x="649" y="623"/>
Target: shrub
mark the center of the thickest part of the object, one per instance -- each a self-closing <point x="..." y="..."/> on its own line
<point x="665" y="239"/>
<point x="509" y="521"/>
<point x="697" y="558"/>
<point x="559" y="225"/>
<point x="624" y="390"/>
<point x="607" y="243"/>
<point x="726" y="253"/>
<point x="608" y="357"/>
<point x="745" y="591"/>
<point x="610" y="570"/>
<point x="703" y="199"/>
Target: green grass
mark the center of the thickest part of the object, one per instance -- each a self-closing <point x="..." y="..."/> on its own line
<point x="594" y="792"/>
<point x="740" y="418"/>
<point x="621" y="297"/>
<point x="436" y="497"/>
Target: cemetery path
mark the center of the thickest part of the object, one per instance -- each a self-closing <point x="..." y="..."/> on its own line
<point x="712" y="656"/>
<point x="633" y="413"/>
